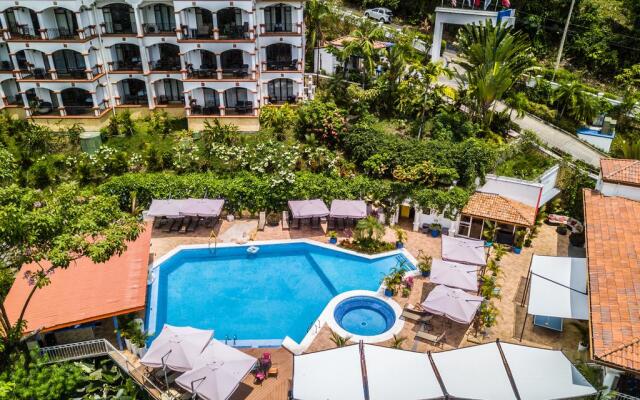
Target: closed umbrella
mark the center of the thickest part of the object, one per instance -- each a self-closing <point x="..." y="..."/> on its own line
<point x="460" y="276"/>
<point x="176" y="348"/>
<point x="455" y="304"/>
<point x="217" y="372"/>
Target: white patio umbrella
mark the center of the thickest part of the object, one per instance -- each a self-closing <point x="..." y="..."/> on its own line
<point x="455" y="304"/>
<point x="217" y="372"/>
<point x="462" y="276"/>
<point x="176" y="348"/>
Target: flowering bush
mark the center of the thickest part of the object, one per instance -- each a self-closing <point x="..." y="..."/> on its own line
<point x="322" y="120"/>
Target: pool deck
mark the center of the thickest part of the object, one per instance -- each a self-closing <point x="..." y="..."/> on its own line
<point x="514" y="269"/>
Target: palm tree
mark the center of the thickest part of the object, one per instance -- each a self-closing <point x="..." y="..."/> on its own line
<point x="338" y="340"/>
<point x="571" y="96"/>
<point x="316" y="11"/>
<point x="369" y="229"/>
<point x="630" y="149"/>
<point x="363" y="45"/>
<point x="398" y="341"/>
<point x="494" y="57"/>
<point x="517" y="102"/>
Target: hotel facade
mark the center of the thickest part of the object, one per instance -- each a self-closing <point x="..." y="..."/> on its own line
<point x="77" y="60"/>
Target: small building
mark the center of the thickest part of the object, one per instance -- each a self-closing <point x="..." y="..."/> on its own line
<point x="83" y="300"/>
<point x="619" y="177"/>
<point x="329" y="63"/>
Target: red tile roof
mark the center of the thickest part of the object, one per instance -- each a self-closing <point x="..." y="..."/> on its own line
<point x="499" y="208"/>
<point x="85" y="291"/>
<point x="613" y="259"/>
<point x="626" y="172"/>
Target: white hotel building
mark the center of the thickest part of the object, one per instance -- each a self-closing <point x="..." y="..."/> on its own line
<point x="74" y="60"/>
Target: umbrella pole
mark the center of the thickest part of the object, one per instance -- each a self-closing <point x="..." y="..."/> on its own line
<point x="164" y="368"/>
<point x="193" y="389"/>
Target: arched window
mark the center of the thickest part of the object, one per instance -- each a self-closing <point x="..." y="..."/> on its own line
<point x="69" y="63"/>
<point x="165" y="19"/>
<point x="277" y="18"/>
<point x="76" y="101"/>
<point x="280" y="91"/>
<point x="119" y="19"/>
<point x="132" y="91"/>
<point x="127" y="57"/>
<point x="231" y="25"/>
<point x="279" y="57"/>
<point x="66" y="22"/>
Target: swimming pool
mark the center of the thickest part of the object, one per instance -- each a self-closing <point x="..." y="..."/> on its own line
<point x="278" y="292"/>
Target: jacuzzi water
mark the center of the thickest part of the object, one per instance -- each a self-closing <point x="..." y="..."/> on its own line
<point x="277" y="292"/>
<point x="364" y="316"/>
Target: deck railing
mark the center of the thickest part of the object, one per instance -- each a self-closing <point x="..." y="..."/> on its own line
<point x="622" y="396"/>
<point x="101" y="347"/>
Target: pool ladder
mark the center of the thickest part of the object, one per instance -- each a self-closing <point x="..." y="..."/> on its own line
<point x="316" y="325"/>
<point x="226" y="339"/>
<point x="213" y="237"/>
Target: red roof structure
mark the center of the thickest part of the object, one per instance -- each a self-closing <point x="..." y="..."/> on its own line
<point x="85" y="291"/>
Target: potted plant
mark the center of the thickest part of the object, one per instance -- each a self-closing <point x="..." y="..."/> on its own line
<point x="401" y="237"/>
<point x="435" y="229"/>
<point x="389" y="285"/>
<point x="424" y="263"/>
<point x="489" y="233"/>
<point x="333" y="237"/>
<point x="518" y="241"/>
<point x="406" y="292"/>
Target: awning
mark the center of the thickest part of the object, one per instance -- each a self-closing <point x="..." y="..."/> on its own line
<point x="355" y="209"/>
<point x="558" y="287"/>
<point x="177" y="348"/>
<point x="314" y="208"/>
<point x="463" y="276"/>
<point x="176" y="208"/>
<point x="465" y="251"/>
<point x="455" y="304"/>
<point x="492" y="371"/>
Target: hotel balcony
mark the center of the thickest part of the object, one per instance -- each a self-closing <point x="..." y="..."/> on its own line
<point x="227" y="24"/>
<point x="281" y="20"/>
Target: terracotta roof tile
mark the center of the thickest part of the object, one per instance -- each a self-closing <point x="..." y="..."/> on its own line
<point x="85" y="291"/>
<point x="499" y="208"/>
<point x="626" y="172"/>
<point x="613" y="258"/>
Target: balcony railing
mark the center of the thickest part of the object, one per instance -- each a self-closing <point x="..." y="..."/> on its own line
<point x="151" y="29"/>
<point x="62" y="33"/>
<point x="235" y="71"/>
<point x="35" y="73"/>
<point x="275" y="28"/>
<point x="234" y="31"/>
<point x="126" y="66"/>
<point x="201" y="32"/>
<point x="202" y="73"/>
<point x="241" y="107"/>
<point x="282" y="65"/>
<point x="14" y="100"/>
<point x="164" y="99"/>
<point x="76" y="73"/>
<point x="209" y="108"/>
<point x="133" y="99"/>
<point x="24" y="32"/>
<point x="114" y="28"/>
<point x="164" y="65"/>
<point x="6" y="66"/>
<point x="77" y="109"/>
<point x="282" y="99"/>
<point x="622" y="396"/>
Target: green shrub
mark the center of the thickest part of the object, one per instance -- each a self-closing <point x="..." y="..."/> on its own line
<point x="322" y="120"/>
<point x="280" y="119"/>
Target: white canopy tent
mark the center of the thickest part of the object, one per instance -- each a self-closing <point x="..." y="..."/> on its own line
<point x="464" y="251"/>
<point x="492" y="371"/>
<point x="558" y="287"/>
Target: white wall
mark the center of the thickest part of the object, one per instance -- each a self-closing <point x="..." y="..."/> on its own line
<point x="516" y="189"/>
<point x="614" y="189"/>
<point x="601" y="142"/>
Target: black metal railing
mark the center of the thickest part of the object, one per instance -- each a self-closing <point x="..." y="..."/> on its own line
<point x="133" y="99"/>
<point x="75" y="73"/>
<point x="6" y="66"/>
<point x="241" y="107"/>
<point x="282" y="65"/>
<point x="62" y="33"/>
<point x="275" y="27"/>
<point x="201" y="32"/>
<point x="24" y="32"/>
<point x="14" y="100"/>
<point x="202" y="73"/>
<point x="164" y="99"/>
<point x="234" y="31"/>
<point x="158" y="28"/>
<point x="75" y="109"/>
<point x="209" y="108"/>
<point x="117" y="28"/>
<point x="282" y="99"/>
<point x="36" y="73"/>
<point x="165" y="65"/>
<point x="235" y="71"/>
<point x="127" y="66"/>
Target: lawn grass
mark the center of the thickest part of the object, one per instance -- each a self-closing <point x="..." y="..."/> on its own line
<point x="528" y="163"/>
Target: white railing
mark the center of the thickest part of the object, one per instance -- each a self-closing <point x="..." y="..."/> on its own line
<point x="101" y="347"/>
<point x="622" y="396"/>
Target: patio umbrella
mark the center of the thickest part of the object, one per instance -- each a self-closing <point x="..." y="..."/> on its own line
<point x="217" y="372"/>
<point x="165" y="208"/>
<point x="348" y="209"/>
<point x="465" y="251"/>
<point x="454" y="275"/>
<point x="201" y="207"/>
<point x="314" y="208"/>
<point x="176" y="348"/>
<point x="455" y="304"/>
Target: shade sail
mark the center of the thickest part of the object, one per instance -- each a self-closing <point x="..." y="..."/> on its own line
<point x="177" y="208"/>
<point x="465" y="251"/>
<point x="492" y="371"/>
<point x="558" y="287"/>
<point x="313" y="208"/>
<point x="463" y="276"/>
<point x="455" y="304"/>
<point x="177" y="348"/>
<point x="217" y="371"/>
<point x="348" y="209"/>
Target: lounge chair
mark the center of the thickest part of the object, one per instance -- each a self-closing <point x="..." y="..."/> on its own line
<point x="295" y="223"/>
<point x="315" y="223"/>
<point x="340" y="224"/>
<point x="262" y="220"/>
<point x="193" y="224"/>
<point x="416" y="313"/>
<point x="185" y="223"/>
<point x="435" y="339"/>
<point x="331" y="224"/>
<point x="285" y="220"/>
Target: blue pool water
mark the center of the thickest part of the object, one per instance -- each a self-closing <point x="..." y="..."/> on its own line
<point x="278" y="292"/>
<point x="364" y="315"/>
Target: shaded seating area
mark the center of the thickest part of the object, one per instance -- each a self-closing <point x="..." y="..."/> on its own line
<point x="307" y="212"/>
<point x="184" y="215"/>
<point x="463" y="251"/>
<point x="557" y="290"/>
<point x="345" y="213"/>
<point x="462" y="276"/>
<point x="489" y="371"/>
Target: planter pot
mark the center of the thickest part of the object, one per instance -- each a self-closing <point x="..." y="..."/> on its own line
<point x="425" y="273"/>
<point x="134" y="348"/>
<point x="128" y="345"/>
<point x="388" y="292"/>
<point x="142" y="351"/>
<point x="517" y="250"/>
<point x="435" y="233"/>
<point x="582" y="347"/>
<point x="333" y="240"/>
<point x="230" y="218"/>
<point x="399" y="245"/>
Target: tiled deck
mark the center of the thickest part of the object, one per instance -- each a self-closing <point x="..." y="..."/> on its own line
<point x="514" y="269"/>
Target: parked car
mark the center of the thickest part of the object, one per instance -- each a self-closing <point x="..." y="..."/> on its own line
<point x="381" y="14"/>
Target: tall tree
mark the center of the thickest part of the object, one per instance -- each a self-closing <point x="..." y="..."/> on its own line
<point x="572" y="97"/>
<point x="52" y="229"/>
<point x="494" y="57"/>
<point x="362" y="44"/>
<point x="316" y="11"/>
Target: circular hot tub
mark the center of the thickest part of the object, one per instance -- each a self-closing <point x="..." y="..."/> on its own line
<point x="364" y="316"/>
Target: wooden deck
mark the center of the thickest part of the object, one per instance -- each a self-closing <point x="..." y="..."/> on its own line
<point x="273" y="388"/>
